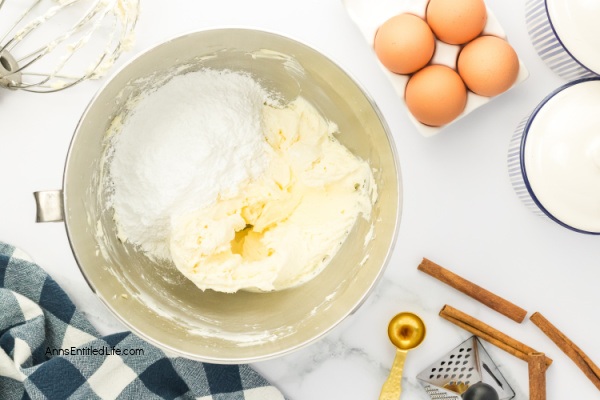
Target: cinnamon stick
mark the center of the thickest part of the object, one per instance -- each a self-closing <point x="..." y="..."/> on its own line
<point x="569" y="348"/>
<point x="489" y="334"/>
<point x="478" y="293"/>
<point x="537" y="376"/>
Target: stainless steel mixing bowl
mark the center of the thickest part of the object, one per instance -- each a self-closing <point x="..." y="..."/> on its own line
<point x="155" y="300"/>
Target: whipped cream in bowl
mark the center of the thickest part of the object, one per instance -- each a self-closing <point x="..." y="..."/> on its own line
<point x="554" y="160"/>
<point x="566" y="35"/>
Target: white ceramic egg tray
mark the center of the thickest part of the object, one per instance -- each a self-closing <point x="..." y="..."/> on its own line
<point x="368" y="15"/>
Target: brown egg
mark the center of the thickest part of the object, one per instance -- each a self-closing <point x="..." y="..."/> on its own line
<point x="456" y="21"/>
<point x="488" y="65"/>
<point x="404" y="43"/>
<point x="436" y="95"/>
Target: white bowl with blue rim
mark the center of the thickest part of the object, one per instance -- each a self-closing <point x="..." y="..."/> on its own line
<point x="566" y="35"/>
<point x="554" y="157"/>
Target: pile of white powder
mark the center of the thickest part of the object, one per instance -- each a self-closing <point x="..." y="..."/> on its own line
<point x="197" y="136"/>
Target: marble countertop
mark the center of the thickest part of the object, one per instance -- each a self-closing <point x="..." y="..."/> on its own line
<point x="459" y="210"/>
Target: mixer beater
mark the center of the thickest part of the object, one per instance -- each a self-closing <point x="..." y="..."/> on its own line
<point x="54" y="44"/>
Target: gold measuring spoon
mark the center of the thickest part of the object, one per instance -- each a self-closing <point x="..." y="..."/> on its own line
<point x="406" y="331"/>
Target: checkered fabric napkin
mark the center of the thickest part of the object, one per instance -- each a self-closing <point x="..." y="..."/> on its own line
<point x="38" y="324"/>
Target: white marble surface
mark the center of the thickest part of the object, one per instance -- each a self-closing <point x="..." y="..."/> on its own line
<point x="459" y="210"/>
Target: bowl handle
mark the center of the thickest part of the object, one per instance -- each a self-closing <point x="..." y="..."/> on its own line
<point x="49" y="206"/>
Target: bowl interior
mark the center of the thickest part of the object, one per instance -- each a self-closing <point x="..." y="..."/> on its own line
<point x="155" y="300"/>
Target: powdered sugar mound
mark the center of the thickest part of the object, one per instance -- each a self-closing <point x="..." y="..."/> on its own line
<point x="195" y="137"/>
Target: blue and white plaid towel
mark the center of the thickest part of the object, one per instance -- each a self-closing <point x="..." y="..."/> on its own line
<point x="48" y="350"/>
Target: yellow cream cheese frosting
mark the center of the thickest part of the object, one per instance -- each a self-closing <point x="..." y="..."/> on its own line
<point x="282" y="228"/>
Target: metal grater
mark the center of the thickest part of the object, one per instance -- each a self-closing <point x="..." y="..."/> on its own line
<point x="436" y="393"/>
<point x="467" y="364"/>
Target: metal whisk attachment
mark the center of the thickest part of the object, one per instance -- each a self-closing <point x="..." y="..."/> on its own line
<point x="54" y="44"/>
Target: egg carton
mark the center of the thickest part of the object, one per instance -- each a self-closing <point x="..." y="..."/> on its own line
<point x="369" y="15"/>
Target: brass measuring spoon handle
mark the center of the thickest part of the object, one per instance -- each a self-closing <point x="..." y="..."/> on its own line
<point x="392" y="388"/>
